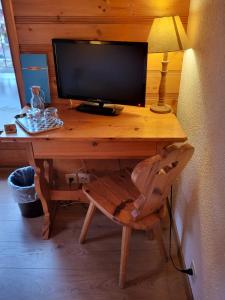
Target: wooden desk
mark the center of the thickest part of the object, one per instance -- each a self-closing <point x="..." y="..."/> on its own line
<point x="136" y="133"/>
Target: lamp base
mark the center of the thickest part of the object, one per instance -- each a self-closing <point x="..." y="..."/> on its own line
<point x="160" y="109"/>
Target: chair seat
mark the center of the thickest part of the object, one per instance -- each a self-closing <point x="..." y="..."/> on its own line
<point x="137" y="200"/>
<point x="114" y="195"/>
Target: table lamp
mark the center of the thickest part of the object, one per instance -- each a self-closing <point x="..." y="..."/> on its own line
<point x="167" y="34"/>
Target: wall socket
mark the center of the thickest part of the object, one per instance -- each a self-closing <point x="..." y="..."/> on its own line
<point x="75" y="178"/>
<point x="84" y="177"/>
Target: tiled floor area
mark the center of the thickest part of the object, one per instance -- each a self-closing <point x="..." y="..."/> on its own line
<point x="61" y="269"/>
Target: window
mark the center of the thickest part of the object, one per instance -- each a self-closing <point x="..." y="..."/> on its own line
<point x="5" y="56"/>
<point x="9" y="98"/>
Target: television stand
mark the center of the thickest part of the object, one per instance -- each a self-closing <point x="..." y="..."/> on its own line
<point x="100" y="108"/>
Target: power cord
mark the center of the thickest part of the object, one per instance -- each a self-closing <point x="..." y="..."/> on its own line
<point x="188" y="271"/>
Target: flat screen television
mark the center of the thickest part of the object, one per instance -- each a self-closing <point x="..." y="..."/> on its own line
<point x="101" y="72"/>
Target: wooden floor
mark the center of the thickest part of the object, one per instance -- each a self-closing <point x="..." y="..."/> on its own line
<point x="61" y="269"/>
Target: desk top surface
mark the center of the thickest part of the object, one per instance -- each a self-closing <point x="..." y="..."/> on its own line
<point x="133" y="123"/>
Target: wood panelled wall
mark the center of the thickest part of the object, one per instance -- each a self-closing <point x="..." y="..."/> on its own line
<point x="38" y="21"/>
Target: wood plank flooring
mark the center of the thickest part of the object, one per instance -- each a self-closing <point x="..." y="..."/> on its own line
<point x="61" y="269"/>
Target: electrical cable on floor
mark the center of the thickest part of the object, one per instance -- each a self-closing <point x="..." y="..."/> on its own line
<point x="188" y="271"/>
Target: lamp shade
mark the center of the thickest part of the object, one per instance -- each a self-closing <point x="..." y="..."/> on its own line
<point x="167" y="34"/>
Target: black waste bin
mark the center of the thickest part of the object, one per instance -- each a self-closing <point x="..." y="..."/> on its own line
<point x="21" y="182"/>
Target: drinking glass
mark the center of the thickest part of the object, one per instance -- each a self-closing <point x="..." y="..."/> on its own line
<point x="50" y="112"/>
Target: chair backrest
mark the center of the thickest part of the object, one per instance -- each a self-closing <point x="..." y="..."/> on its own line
<point x="154" y="176"/>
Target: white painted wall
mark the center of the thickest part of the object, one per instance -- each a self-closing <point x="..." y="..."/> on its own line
<point x="200" y="200"/>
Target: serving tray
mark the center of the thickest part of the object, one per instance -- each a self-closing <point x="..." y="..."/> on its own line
<point x="32" y="126"/>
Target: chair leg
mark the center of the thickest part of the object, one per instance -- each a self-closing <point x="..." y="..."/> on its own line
<point x="124" y="254"/>
<point x="87" y="222"/>
<point x="158" y="235"/>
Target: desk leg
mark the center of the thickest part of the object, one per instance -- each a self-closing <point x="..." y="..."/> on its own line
<point x="43" y="190"/>
<point x="49" y="171"/>
<point x="43" y="180"/>
<point x="48" y="166"/>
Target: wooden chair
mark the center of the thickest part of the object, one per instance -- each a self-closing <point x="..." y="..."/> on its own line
<point x="137" y="201"/>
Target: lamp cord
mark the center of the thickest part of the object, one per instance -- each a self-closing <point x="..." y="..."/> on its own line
<point x="188" y="271"/>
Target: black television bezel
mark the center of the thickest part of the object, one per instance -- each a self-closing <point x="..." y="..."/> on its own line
<point x="92" y="99"/>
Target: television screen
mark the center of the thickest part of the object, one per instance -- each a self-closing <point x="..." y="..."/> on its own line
<point x="112" y="72"/>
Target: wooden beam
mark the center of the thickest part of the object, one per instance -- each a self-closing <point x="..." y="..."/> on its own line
<point x="88" y="20"/>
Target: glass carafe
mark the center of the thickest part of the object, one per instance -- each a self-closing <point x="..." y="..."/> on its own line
<point x="37" y="102"/>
